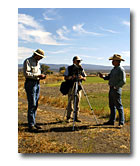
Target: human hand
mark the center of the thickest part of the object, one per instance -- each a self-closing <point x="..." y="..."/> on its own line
<point x="100" y="75"/>
<point x="42" y="76"/>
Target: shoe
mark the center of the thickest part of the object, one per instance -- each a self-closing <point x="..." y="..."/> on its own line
<point x="68" y="120"/>
<point x="121" y="125"/>
<point x="32" y="129"/>
<point x="108" y="123"/>
<point x="77" y="120"/>
<point x="37" y="127"/>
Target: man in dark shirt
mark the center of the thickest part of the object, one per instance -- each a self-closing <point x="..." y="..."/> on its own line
<point x="117" y="78"/>
<point x="70" y="75"/>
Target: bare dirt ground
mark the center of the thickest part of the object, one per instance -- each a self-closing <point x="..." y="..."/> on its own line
<point x="57" y="136"/>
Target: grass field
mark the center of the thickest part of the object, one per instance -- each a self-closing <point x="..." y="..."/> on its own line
<point x="97" y="92"/>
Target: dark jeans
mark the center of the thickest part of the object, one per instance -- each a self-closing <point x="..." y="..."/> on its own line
<point x="32" y="88"/>
<point x="115" y="103"/>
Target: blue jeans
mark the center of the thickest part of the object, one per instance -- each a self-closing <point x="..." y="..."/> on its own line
<point x="115" y="103"/>
<point x="32" y="88"/>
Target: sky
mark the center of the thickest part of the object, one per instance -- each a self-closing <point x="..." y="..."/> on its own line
<point x="93" y="34"/>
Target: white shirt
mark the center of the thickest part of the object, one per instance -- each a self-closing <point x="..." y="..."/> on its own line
<point x="31" y="68"/>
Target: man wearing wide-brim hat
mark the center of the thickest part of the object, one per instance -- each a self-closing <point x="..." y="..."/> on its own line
<point x="32" y="73"/>
<point x="117" y="78"/>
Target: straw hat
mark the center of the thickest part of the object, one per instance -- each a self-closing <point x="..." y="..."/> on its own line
<point x="116" y="57"/>
<point x="39" y="52"/>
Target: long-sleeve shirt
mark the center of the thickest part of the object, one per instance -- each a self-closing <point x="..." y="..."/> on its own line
<point x="31" y="68"/>
<point x="117" y="77"/>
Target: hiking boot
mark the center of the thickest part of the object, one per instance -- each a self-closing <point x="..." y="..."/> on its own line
<point x="108" y="123"/>
<point x="121" y="125"/>
<point x="68" y="120"/>
<point x="77" y="120"/>
<point x="37" y="127"/>
<point x="32" y="129"/>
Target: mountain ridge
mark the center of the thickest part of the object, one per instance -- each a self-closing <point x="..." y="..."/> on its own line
<point x="90" y="67"/>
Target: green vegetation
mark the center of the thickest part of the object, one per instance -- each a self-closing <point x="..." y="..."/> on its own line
<point x="89" y="80"/>
<point x="98" y="96"/>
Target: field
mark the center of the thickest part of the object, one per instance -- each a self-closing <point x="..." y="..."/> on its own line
<point x="57" y="136"/>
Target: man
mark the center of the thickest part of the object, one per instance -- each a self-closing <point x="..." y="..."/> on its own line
<point x="32" y="73"/>
<point x="117" y="78"/>
<point x="73" y="73"/>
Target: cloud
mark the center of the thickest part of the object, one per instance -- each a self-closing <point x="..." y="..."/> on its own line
<point x="51" y="14"/>
<point x="125" y="53"/>
<point x="79" y="28"/>
<point x="82" y="55"/>
<point x="46" y="17"/>
<point x="28" y="20"/>
<point x="88" y="48"/>
<point x="24" y="52"/>
<point x="31" y="31"/>
<point x="127" y="23"/>
<point x="62" y="32"/>
<point x="108" y="30"/>
<point x="57" y="52"/>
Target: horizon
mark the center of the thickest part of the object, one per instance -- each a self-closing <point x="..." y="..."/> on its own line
<point x="94" y="34"/>
<point x="81" y="64"/>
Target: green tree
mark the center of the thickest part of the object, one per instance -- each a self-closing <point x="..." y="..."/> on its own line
<point x="45" y="69"/>
<point x="62" y="69"/>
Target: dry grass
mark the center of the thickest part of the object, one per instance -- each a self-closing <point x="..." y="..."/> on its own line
<point x="60" y="101"/>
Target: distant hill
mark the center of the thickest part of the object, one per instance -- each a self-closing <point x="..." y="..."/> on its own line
<point x="87" y="67"/>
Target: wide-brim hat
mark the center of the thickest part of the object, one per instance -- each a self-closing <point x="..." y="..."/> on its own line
<point x="116" y="57"/>
<point x="40" y="52"/>
<point x="77" y="58"/>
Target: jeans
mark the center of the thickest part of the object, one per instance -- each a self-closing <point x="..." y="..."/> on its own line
<point x="115" y="103"/>
<point x="32" y="88"/>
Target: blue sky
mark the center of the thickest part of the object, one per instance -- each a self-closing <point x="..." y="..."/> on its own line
<point x="94" y="34"/>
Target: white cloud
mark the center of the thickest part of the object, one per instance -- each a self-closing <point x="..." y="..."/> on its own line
<point x="79" y="28"/>
<point x="88" y="48"/>
<point x="48" y="18"/>
<point x="125" y="53"/>
<point x="62" y="32"/>
<point x="57" y="52"/>
<point x="127" y="23"/>
<point x="28" y="21"/>
<point x="31" y="31"/>
<point x="24" y="52"/>
<point x="108" y="30"/>
<point x="51" y="14"/>
<point x="83" y="56"/>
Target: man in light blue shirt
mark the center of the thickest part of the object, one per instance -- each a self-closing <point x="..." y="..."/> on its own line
<point x="117" y="78"/>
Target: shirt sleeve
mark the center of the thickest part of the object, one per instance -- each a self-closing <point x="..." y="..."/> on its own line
<point x="84" y="74"/>
<point x="107" y="77"/>
<point x="122" y="78"/>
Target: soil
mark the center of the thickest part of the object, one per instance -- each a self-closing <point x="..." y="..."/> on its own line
<point x="57" y="136"/>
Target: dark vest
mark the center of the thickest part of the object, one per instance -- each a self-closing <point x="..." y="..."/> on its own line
<point x="74" y="70"/>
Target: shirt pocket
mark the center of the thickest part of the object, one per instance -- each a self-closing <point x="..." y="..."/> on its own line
<point x="34" y="69"/>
